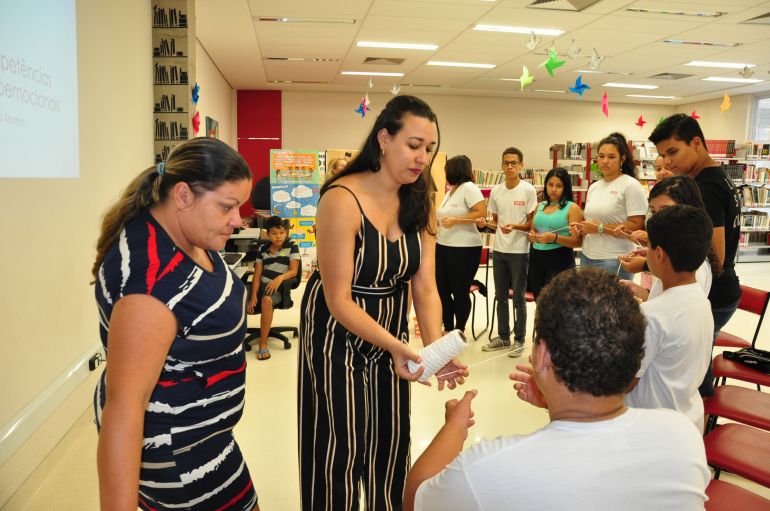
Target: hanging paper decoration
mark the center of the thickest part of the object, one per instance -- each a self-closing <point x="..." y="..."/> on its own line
<point x="573" y="51"/>
<point x="553" y="61"/>
<point x="395" y="89"/>
<point x="694" y="115"/>
<point x="363" y="107"/>
<point x="596" y="60"/>
<point x="534" y="40"/>
<point x="371" y="83"/>
<point x="640" y="122"/>
<point x="579" y="88"/>
<point x="746" y="72"/>
<point x="726" y="104"/>
<point x="660" y="120"/>
<point x="605" y="105"/>
<point x="196" y="90"/>
<point x="196" y="122"/>
<point x="525" y="78"/>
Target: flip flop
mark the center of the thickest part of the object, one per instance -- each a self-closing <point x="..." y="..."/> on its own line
<point x="263" y="354"/>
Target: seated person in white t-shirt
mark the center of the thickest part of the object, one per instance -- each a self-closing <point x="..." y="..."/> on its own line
<point x="677" y="344"/>
<point x="595" y="454"/>
<point x="669" y="192"/>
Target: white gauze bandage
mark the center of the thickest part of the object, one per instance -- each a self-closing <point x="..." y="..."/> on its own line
<point x="438" y="354"/>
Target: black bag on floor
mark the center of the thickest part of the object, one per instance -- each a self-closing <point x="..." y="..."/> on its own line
<point x="751" y="357"/>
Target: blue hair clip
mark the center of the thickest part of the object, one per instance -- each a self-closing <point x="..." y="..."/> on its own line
<point x="161" y="168"/>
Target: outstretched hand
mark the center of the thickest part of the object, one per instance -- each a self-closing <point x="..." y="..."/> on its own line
<point x="526" y="388"/>
<point x="452" y="374"/>
<point x="459" y="412"/>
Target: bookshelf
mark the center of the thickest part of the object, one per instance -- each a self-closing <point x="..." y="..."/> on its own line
<point x="748" y="165"/>
<point x="577" y="159"/>
<point x="173" y="61"/>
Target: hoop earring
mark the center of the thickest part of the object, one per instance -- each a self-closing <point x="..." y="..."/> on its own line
<point x="383" y="151"/>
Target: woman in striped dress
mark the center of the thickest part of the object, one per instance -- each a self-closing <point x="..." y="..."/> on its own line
<point x="373" y="237"/>
<point x="172" y="322"/>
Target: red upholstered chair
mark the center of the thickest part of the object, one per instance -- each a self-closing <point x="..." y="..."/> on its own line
<point x="729" y="497"/>
<point x="742" y="450"/>
<point x="739" y="404"/>
<point x="475" y="288"/>
<point x="723" y="369"/>
<point x="752" y="300"/>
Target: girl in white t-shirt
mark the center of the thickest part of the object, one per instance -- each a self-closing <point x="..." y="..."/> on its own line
<point x="615" y="206"/>
<point x="458" y="245"/>
<point x="669" y="192"/>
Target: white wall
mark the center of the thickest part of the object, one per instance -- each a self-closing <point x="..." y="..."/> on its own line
<point x="48" y="315"/>
<point x="731" y="125"/>
<point x="217" y="98"/>
<point x="476" y="126"/>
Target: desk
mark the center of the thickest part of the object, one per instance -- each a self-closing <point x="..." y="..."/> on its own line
<point x="244" y="238"/>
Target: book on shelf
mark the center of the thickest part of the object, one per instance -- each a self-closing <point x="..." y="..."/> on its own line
<point x="487" y="178"/>
<point x="755" y="196"/>
<point x="755" y="220"/>
<point x="724" y="148"/>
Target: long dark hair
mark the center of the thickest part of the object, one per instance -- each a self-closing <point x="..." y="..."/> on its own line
<point x="414" y="199"/>
<point x="620" y="143"/>
<point x="684" y="190"/>
<point x="459" y="170"/>
<point x="566" y="195"/>
<point x="203" y="163"/>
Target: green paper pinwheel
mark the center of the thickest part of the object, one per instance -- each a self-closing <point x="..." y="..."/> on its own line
<point x="553" y="61"/>
<point x="525" y="78"/>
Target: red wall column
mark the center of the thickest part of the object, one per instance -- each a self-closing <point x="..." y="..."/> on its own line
<point x="259" y="130"/>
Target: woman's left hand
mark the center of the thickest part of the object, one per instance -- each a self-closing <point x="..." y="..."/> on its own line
<point x="452" y="374"/>
<point x="449" y="221"/>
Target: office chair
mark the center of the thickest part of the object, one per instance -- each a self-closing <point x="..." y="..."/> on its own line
<point x="276" y="331"/>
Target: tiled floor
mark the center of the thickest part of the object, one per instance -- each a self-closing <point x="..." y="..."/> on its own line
<point x="67" y="480"/>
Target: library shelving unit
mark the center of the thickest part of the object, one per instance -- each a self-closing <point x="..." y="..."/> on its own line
<point x="577" y="159"/>
<point x="173" y="61"/>
<point x="748" y="165"/>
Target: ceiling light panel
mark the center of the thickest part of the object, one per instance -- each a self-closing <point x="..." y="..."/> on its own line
<point x="288" y="19"/>
<point x="677" y="12"/>
<point x="519" y="30"/>
<point x="730" y="80"/>
<point x="398" y="46"/>
<point x="370" y="73"/>
<point x="444" y="63"/>
<point x="721" y="65"/>
<point x="647" y="96"/>
<point x="701" y="43"/>
<point x="630" y="85"/>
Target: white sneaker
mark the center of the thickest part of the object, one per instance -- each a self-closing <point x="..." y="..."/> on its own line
<point x="516" y="350"/>
<point x="496" y="344"/>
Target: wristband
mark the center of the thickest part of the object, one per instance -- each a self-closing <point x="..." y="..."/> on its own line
<point x="600" y="229"/>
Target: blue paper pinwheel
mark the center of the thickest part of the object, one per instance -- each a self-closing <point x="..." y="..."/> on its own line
<point x="579" y="88"/>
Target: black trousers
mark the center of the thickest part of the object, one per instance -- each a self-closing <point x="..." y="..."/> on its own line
<point x="455" y="269"/>
<point x="545" y="264"/>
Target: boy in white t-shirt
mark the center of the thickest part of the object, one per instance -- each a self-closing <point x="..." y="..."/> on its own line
<point x="595" y="454"/>
<point x="677" y="345"/>
<point x="512" y="205"/>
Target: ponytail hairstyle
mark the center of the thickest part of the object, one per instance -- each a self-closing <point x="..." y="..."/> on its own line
<point x="414" y="199"/>
<point x="619" y="141"/>
<point x="203" y="163"/>
<point x="684" y="191"/>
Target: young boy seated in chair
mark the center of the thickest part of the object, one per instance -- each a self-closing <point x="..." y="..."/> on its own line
<point x="677" y="345"/>
<point x="277" y="262"/>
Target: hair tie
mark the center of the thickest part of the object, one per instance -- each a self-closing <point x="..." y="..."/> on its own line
<point x="161" y="168"/>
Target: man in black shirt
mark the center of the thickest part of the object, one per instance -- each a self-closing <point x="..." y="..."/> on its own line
<point x="679" y="139"/>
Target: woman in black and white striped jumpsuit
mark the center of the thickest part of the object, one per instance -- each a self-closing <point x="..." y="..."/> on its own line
<point x="373" y="238"/>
